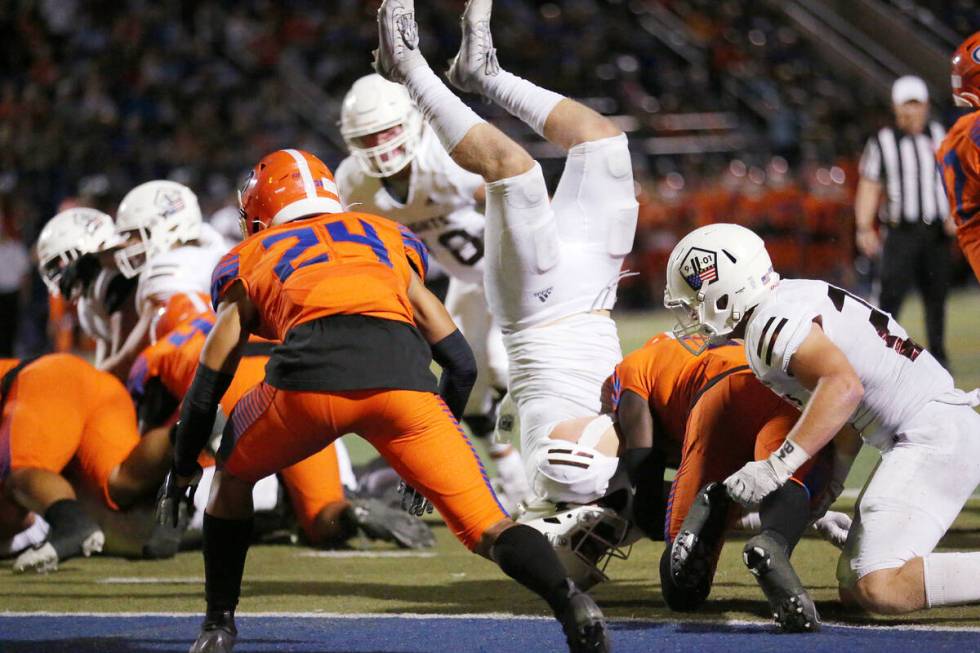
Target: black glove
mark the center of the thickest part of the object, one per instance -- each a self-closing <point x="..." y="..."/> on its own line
<point x="174" y="491"/>
<point x="79" y="273"/>
<point x="380" y="522"/>
<point x="412" y="500"/>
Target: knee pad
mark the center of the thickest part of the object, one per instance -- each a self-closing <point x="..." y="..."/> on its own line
<point x="508" y="421"/>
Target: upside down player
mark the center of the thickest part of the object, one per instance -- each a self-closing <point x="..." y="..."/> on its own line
<point x="959" y="154"/>
<point x="845" y="362"/>
<point x="342" y="291"/>
<point x="708" y="413"/>
<point x="61" y="416"/>
<point x="552" y="267"/>
<point x="397" y="168"/>
<point x="163" y="373"/>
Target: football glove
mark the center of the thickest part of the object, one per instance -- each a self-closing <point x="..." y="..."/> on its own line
<point x="81" y="273"/>
<point x="379" y="521"/>
<point x="755" y="481"/>
<point x="174" y="491"/>
<point x="834" y="527"/>
<point x="412" y="500"/>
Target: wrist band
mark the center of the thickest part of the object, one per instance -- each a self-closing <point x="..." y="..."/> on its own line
<point x="790" y="456"/>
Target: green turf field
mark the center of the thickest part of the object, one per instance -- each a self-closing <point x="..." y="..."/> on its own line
<point x="450" y="580"/>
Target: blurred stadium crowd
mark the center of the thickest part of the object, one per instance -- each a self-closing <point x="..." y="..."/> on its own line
<point x="733" y="117"/>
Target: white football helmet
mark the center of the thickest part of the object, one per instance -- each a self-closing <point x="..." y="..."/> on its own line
<point x="372" y="105"/>
<point x="69" y="235"/>
<point x="714" y="276"/>
<point x="160" y="214"/>
<point x="586" y="538"/>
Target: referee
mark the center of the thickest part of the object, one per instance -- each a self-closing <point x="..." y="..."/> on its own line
<point x="898" y="166"/>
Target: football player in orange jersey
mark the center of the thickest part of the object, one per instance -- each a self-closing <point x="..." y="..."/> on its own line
<point x="959" y="154"/>
<point x="342" y="292"/>
<point x="63" y="418"/>
<point x="162" y="375"/>
<point x="707" y="415"/>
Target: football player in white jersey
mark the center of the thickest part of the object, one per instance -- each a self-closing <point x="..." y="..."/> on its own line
<point x="552" y="266"/>
<point x="398" y="169"/>
<point x="851" y="368"/>
<point x="172" y="252"/>
<point x="72" y="249"/>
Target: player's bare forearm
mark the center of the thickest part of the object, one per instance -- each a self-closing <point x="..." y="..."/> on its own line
<point x="431" y="316"/>
<point x="119" y="362"/>
<point x="635" y="421"/>
<point x="836" y="391"/>
<point x="223" y="347"/>
<point x="866" y="200"/>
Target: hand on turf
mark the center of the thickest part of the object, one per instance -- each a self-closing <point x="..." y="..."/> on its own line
<point x="754" y="482"/>
<point x="175" y="490"/>
<point x="412" y="500"/>
<point x="834" y="527"/>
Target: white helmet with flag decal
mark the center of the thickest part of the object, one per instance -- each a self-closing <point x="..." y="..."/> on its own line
<point x="586" y="538"/>
<point x="374" y="105"/>
<point x="154" y="217"/>
<point x="69" y="235"/>
<point x="714" y="276"/>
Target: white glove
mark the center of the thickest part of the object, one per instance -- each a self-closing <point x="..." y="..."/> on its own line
<point x="834" y="527"/>
<point x="755" y="481"/>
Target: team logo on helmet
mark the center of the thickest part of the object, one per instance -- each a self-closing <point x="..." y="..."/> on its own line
<point x="700" y="268"/>
<point x="975" y="55"/>
<point x="168" y="201"/>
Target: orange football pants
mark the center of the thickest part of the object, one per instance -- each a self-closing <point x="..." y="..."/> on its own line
<point x="736" y="421"/>
<point x="271" y="429"/>
<point x="968" y="236"/>
<point x="63" y="415"/>
<point x="313" y="484"/>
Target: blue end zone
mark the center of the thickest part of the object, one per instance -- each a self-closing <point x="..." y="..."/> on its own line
<point x="332" y="634"/>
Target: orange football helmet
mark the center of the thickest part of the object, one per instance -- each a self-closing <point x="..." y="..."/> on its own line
<point x="286" y="185"/>
<point x="966" y="73"/>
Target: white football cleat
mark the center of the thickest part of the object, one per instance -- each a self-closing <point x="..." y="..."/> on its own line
<point x="477" y="58"/>
<point x="398" y="41"/>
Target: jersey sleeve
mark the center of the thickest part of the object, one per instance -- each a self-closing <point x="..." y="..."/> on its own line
<point x="415" y="251"/>
<point x="871" y="163"/>
<point x="633" y="374"/>
<point x="139" y="373"/>
<point x="225" y="273"/>
<point x="774" y="335"/>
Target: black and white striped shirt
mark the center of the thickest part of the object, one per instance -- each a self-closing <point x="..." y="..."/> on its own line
<point x="906" y="166"/>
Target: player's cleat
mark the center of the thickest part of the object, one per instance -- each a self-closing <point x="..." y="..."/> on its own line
<point x="692" y="552"/>
<point x="379" y="521"/>
<point x="477" y="58"/>
<point x="583" y="623"/>
<point x="792" y="607"/>
<point x="73" y="533"/>
<point x="398" y="41"/>
<point x="218" y="633"/>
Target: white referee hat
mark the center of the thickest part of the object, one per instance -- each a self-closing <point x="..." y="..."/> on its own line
<point x="909" y="89"/>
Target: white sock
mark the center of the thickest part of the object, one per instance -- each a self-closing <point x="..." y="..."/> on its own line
<point x="449" y="116"/>
<point x="30" y="536"/>
<point x="510" y="468"/>
<point x="522" y="99"/>
<point x="951" y="578"/>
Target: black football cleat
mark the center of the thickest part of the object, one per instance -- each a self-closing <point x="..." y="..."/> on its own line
<point x="692" y="553"/>
<point x="583" y="623"/>
<point x="218" y="633"/>
<point x="792" y="608"/>
<point x="378" y="521"/>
